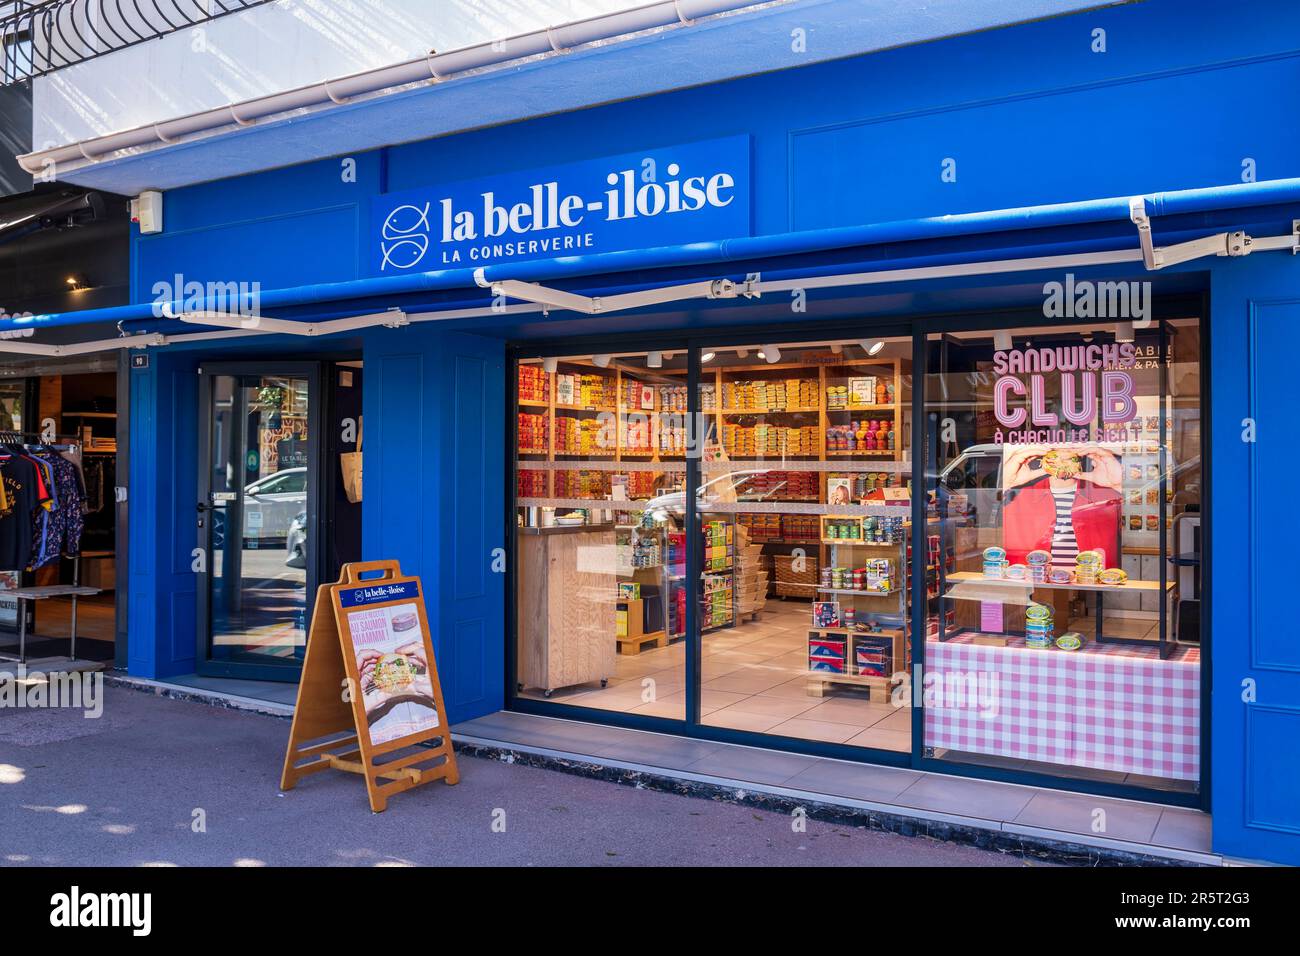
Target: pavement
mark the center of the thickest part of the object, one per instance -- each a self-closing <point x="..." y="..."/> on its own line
<point x="155" y="781"/>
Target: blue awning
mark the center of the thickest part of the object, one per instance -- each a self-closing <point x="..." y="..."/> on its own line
<point x="877" y="253"/>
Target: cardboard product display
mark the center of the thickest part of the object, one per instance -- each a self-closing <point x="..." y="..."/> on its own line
<point x="369" y="673"/>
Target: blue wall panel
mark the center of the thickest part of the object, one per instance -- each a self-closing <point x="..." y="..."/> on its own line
<point x="399" y="448"/>
<point x="434" y="465"/>
<point x="1030" y="149"/>
<point x="473" y="485"/>
<point x="1255" y="725"/>
<point x="311" y="246"/>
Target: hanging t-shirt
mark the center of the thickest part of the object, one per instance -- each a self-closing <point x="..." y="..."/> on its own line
<point x="22" y="481"/>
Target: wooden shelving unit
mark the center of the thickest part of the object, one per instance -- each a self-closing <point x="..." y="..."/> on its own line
<point x="828" y="371"/>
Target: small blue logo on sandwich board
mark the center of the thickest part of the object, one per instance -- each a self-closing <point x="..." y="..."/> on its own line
<point x="379" y="593"/>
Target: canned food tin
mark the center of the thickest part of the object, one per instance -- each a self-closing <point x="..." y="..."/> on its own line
<point x="1039" y="613"/>
<point x="1113" y="576"/>
<point x="1070" y="641"/>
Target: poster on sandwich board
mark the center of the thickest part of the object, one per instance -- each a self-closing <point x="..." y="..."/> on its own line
<point x="370" y="669"/>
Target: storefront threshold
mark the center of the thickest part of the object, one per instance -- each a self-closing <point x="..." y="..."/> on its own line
<point x="262" y="697"/>
<point x="1033" y="822"/>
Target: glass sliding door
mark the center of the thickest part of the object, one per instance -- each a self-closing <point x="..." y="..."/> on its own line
<point x="256" y="512"/>
<point x="805" y="522"/>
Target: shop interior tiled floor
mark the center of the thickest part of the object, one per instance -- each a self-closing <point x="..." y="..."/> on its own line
<point x="754" y="679"/>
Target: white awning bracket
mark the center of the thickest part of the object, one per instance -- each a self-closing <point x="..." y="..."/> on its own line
<point x="390" y="319"/>
<point x="1137" y="211"/>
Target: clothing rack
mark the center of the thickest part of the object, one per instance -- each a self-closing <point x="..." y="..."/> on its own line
<point x="11" y="437"/>
<point x="74" y="590"/>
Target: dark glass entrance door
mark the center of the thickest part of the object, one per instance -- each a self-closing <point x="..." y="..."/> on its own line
<point x="258" y="504"/>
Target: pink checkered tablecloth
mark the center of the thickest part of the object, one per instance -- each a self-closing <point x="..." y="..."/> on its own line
<point x="1108" y="708"/>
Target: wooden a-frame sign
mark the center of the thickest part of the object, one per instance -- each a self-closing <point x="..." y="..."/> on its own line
<point x="369" y="674"/>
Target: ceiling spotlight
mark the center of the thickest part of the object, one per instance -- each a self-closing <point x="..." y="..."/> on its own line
<point x="1002" y="340"/>
<point x="1123" y="331"/>
<point x="770" y="354"/>
<point x="549" y="365"/>
<point x="742" y="353"/>
<point x="836" y="348"/>
<point x="669" y="356"/>
<point x="600" y="361"/>
<point x="708" y="357"/>
<point x="654" y="360"/>
<point x="872" y="346"/>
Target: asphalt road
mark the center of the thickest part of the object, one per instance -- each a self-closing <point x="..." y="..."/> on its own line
<point x="129" y="787"/>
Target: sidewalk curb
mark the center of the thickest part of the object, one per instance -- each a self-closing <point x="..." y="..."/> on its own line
<point x="196" y="695"/>
<point x="1038" y="845"/>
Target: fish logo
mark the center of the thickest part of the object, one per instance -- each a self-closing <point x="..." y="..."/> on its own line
<point x="405" y="236"/>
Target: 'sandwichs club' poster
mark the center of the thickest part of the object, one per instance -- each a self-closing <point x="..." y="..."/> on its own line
<point x="392" y="671"/>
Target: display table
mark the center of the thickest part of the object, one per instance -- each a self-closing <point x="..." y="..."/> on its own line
<point x="974" y="586"/>
<point x="42" y="593"/>
<point x="1107" y="707"/>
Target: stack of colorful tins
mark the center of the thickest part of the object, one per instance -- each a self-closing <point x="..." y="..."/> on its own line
<point x="827" y="654"/>
<point x="1038" y="625"/>
<point x="995" y="560"/>
<point x="1087" y="566"/>
<point x="1038" y="562"/>
<point x="872" y="656"/>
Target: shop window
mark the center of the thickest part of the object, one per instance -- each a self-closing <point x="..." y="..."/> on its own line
<point x="1064" y="489"/>
<point x="600" y="473"/>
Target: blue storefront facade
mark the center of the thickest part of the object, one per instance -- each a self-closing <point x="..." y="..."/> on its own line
<point x="1020" y="144"/>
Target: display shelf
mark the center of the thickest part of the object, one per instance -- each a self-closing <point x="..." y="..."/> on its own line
<point x="810" y="410"/>
<point x="860" y="592"/>
<point x="965" y="577"/>
<point x="856" y="543"/>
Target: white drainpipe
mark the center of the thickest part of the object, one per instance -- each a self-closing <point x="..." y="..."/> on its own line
<point x="434" y="66"/>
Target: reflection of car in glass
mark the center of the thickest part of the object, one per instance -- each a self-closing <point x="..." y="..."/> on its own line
<point x="295" y="545"/>
<point x="269" y="506"/>
<point x="975" y="476"/>
<point x="720" y="488"/>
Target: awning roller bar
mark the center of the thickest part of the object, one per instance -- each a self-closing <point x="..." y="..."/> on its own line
<point x="540" y="298"/>
<point x="1221" y="244"/>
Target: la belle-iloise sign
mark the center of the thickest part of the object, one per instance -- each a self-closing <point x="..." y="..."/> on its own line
<point x="677" y="194"/>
